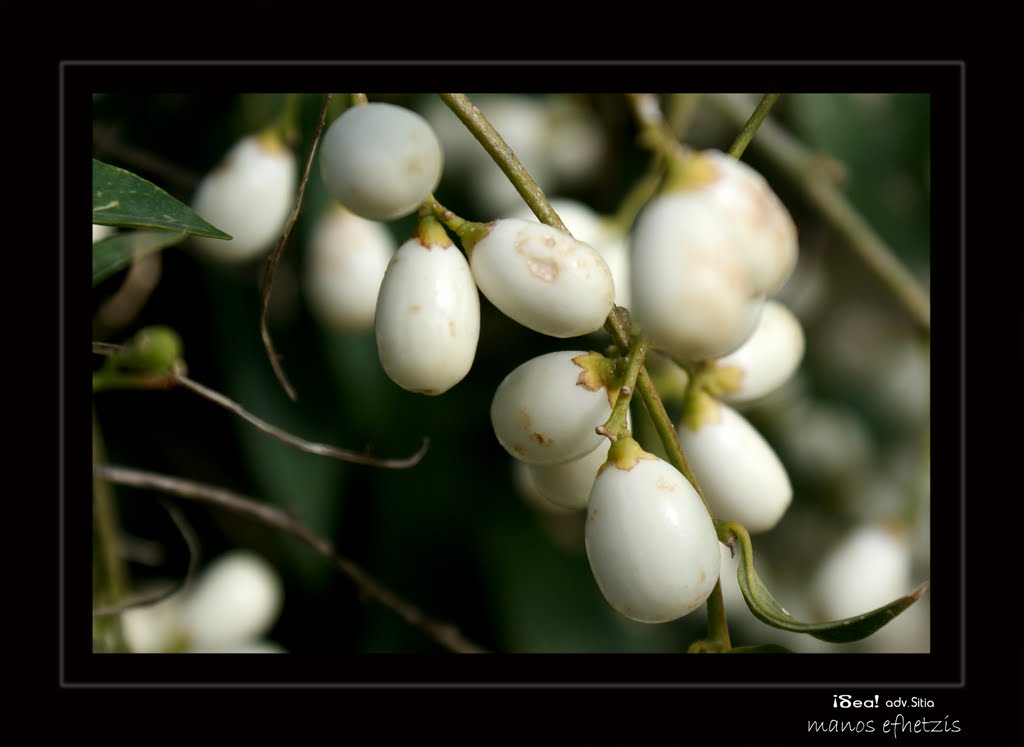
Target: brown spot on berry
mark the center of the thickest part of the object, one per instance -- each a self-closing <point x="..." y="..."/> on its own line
<point x="451" y="327"/>
<point x="523" y="419"/>
<point x="664" y="484"/>
<point x="415" y="308"/>
<point x="542" y="268"/>
<point x="540" y="439"/>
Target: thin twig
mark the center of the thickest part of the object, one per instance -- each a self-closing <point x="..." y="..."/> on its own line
<point x="192" y="542"/>
<point x="502" y="155"/>
<point x="272" y="260"/>
<point x="299" y="443"/>
<point x="756" y="119"/>
<point x="799" y="164"/>
<point x="444" y="634"/>
<point x="176" y="376"/>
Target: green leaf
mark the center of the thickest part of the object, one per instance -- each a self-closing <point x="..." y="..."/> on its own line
<point x="767" y="610"/>
<point x="765" y="648"/>
<point x="116" y="252"/>
<point x="120" y="198"/>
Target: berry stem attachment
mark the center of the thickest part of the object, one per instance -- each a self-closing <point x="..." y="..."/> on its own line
<point x="359" y="99"/>
<point x="747" y="133"/>
<point x="616" y="427"/>
<point x="431" y="232"/>
<point x="469" y="232"/>
<point x="443" y="214"/>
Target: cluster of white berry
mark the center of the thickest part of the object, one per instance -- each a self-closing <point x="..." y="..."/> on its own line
<point x="705" y="255"/>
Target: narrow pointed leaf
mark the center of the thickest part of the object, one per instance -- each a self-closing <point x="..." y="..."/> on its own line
<point x="767" y="610"/>
<point x="120" y="198"/>
<point x="116" y="252"/>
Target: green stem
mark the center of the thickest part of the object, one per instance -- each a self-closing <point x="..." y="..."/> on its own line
<point x="801" y="166"/>
<point x="639" y="195"/>
<point x="747" y="133"/>
<point x="617" y="323"/>
<point x="359" y="99"/>
<point x="493" y="143"/>
<point x="617" y="424"/>
<point x="718" y="627"/>
<point x="109" y="576"/>
<point x="655" y="133"/>
<point x="617" y="328"/>
<point x="681" y="108"/>
<point x="443" y="214"/>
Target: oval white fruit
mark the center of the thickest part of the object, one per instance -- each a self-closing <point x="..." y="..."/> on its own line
<point x="428" y="318"/>
<point x="868" y="568"/>
<point x="765" y="232"/>
<point x="591" y="228"/>
<point x="347" y="258"/>
<point x="741" y="476"/>
<point x="652" y="547"/>
<point x="769" y="356"/>
<point x="235" y="599"/>
<point x="543" y="278"/>
<point x="569" y="484"/>
<point x="380" y="160"/>
<point x="543" y="414"/>
<point x="249" y="196"/>
<point x="691" y="293"/>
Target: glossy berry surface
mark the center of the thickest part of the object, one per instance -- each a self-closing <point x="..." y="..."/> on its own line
<point x="544" y="413"/>
<point x="651" y="545"/>
<point x="543" y="278"/>
<point x="428" y="317"/>
<point x="380" y="160"/>
<point x="249" y="196"/>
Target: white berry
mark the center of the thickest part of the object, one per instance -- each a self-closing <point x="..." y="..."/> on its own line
<point x="769" y="356"/>
<point x="652" y="547"/>
<point x="347" y="258"/>
<point x="691" y="292"/>
<point x="766" y="234"/>
<point x="545" y="413"/>
<point x="543" y="278"/>
<point x="741" y="476"/>
<point x="569" y="484"/>
<point x="599" y="232"/>
<point x="428" y="317"/>
<point x="237" y="598"/>
<point x="249" y="195"/>
<point x="380" y="160"/>
<point x="868" y="568"/>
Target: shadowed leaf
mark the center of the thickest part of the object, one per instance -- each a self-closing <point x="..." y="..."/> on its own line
<point x="767" y="610"/>
<point x="116" y="252"/>
<point x="120" y="198"/>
